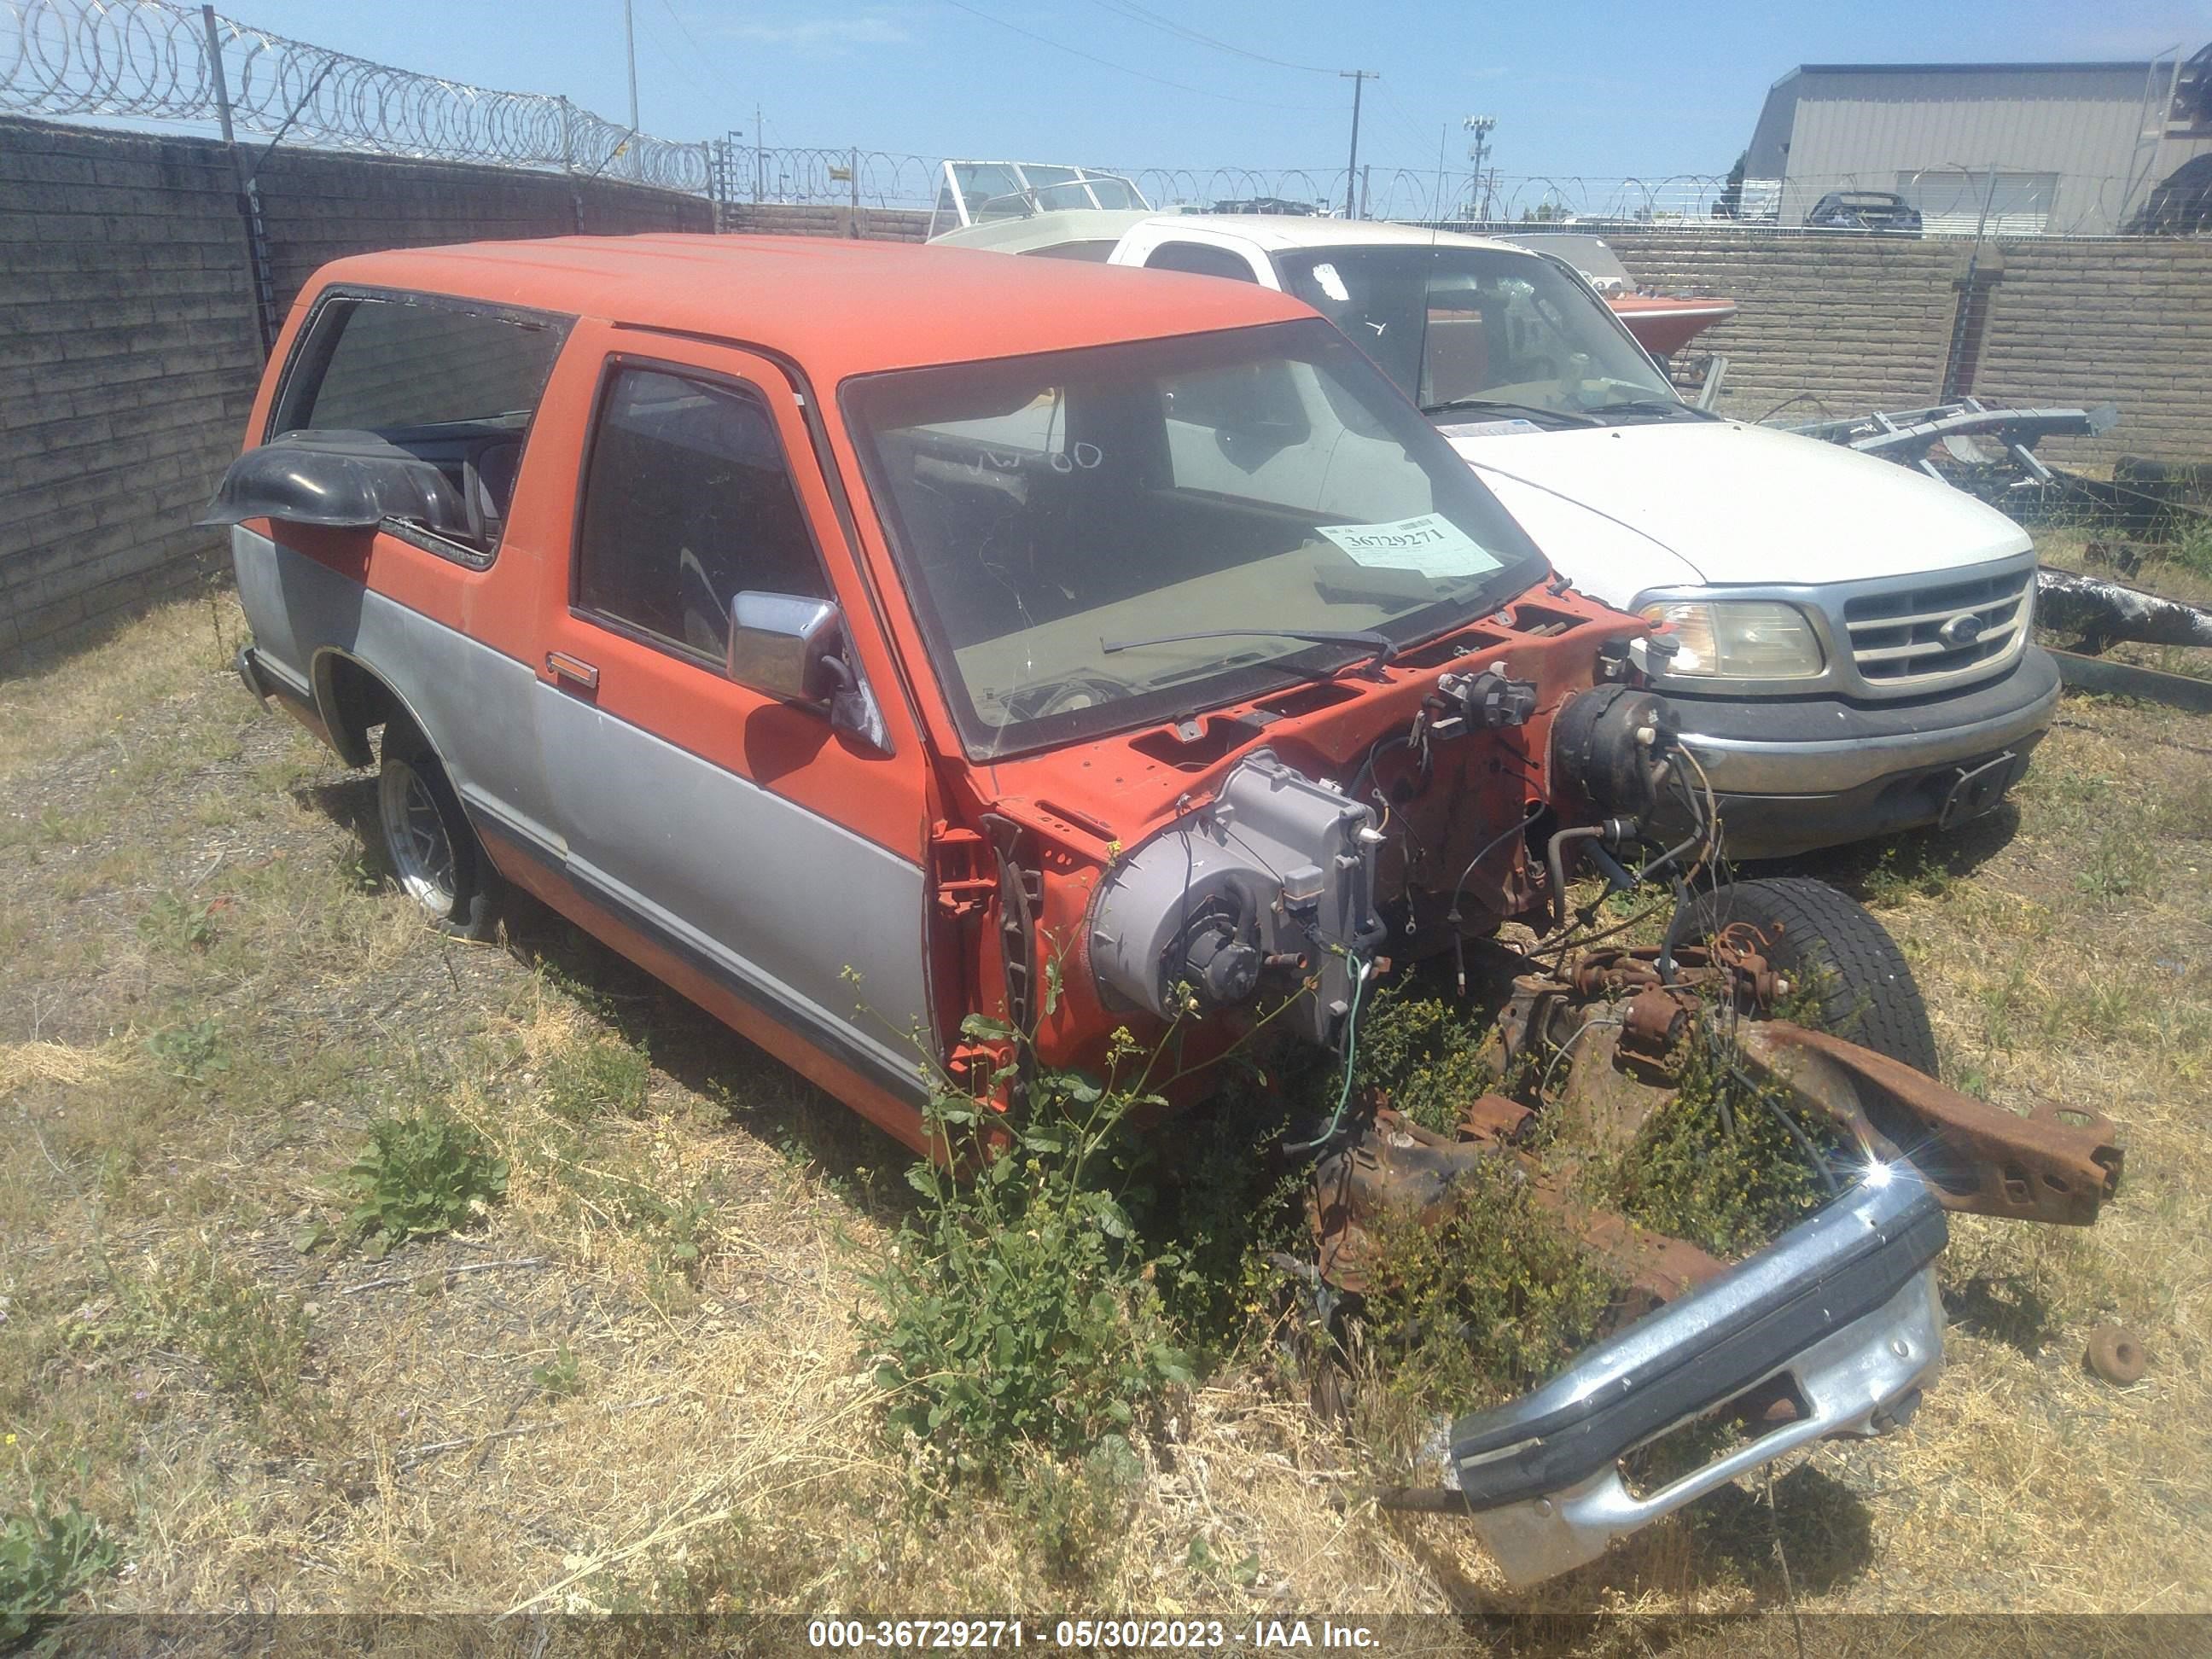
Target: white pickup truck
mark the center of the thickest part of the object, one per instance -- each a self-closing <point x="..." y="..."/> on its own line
<point x="1853" y="642"/>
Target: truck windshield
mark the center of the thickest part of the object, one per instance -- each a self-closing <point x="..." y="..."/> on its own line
<point x="1465" y="326"/>
<point x="1267" y="478"/>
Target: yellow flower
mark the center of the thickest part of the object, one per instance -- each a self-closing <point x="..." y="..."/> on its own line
<point x="11" y="1439"/>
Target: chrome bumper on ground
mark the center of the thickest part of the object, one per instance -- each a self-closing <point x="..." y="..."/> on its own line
<point x="1842" y="1309"/>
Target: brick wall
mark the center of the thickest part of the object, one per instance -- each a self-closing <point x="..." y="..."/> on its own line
<point x="1845" y="324"/>
<point x="789" y="219"/>
<point x="128" y="332"/>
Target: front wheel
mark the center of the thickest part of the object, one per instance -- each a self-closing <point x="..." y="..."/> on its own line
<point x="1834" y="954"/>
<point x="426" y="839"/>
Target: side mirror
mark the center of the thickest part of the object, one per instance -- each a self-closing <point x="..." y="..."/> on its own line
<point x="786" y="645"/>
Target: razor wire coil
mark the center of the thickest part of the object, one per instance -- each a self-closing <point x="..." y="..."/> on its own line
<point x="149" y="60"/>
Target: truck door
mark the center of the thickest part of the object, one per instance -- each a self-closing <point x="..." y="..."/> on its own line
<point x="774" y="853"/>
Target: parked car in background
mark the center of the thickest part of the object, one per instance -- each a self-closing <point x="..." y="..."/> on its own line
<point x="1864" y="210"/>
<point x="1853" y="655"/>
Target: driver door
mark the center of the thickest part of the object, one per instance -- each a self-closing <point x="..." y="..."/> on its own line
<point x="776" y="853"/>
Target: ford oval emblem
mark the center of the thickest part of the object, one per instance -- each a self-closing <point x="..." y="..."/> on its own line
<point x="1962" y="629"/>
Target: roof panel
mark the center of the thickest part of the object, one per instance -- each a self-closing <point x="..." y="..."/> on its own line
<point x="840" y="307"/>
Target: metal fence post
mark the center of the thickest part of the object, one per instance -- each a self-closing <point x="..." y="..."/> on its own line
<point x="852" y="169"/>
<point x="248" y="197"/>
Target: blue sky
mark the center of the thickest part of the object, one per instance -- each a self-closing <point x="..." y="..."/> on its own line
<point x="1577" y="88"/>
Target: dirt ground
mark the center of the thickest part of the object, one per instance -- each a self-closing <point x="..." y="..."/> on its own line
<point x="634" y="1384"/>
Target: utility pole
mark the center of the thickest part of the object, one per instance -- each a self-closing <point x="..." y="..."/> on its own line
<point x="630" y="39"/>
<point x="1359" y="79"/>
<point x="1482" y="126"/>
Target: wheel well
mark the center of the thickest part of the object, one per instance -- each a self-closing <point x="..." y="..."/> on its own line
<point x="355" y="702"/>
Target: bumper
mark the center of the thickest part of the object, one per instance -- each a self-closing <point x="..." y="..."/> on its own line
<point x="1842" y="1307"/>
<point x="1792" y="776"/>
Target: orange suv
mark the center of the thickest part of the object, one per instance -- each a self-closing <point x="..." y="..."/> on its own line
<point x="859" y="637"/>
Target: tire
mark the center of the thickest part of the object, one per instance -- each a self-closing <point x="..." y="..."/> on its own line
<point x="1826" y="943"/>
<point x="433" y="853"/>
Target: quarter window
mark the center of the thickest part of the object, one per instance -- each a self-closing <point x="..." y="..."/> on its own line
<point x="377" y="364"/>
<point x="687" y="503"/>
<point x="449" y="381"/>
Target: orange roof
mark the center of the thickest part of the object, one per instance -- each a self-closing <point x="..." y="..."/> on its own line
<point x="840" y="307"/>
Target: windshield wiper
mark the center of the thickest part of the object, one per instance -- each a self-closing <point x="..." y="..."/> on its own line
<point x="1380" y="648"/>
<point x="1527" y="411"/>
<point x="1664" y="408"/>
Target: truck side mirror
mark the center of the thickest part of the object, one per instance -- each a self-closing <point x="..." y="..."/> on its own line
<point x="787" y="645"/>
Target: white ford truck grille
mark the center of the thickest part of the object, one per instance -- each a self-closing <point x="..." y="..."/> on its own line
<point x="1915" y="632"/>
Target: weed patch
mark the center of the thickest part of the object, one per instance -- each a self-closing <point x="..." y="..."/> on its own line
<point x="420" y="1175"/>
<point x="1472" y="1304"/>
<point x="47" y="1554"/>
<point x="600" y="1074"/>
<point x="1020" y="1307"/>
<point x="1425" y="1054"/>
<point x="1725" y="1164"/>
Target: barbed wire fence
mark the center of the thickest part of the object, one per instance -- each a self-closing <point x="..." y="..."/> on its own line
<point x="152" y="60"/>
<point x="157" y="60"/>
<point x="1954" y="200"/>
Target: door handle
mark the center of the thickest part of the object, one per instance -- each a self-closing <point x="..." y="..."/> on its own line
<point x="574" y="670"/>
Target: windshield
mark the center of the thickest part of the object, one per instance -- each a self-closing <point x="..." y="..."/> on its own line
<point x="1042" y="507"/>
<point x="976" y="191"/>
<point x="1452" y="323"/>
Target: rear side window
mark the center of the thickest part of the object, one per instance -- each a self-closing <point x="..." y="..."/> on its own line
<point x="449" y="381"/>
<point x="377" y="364"/>
<point x="687" y="503"/>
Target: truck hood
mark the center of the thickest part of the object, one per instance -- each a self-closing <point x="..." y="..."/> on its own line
<point x="1620" y="510"/>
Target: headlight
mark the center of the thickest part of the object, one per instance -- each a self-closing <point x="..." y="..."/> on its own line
<point x="1739" y="639"/>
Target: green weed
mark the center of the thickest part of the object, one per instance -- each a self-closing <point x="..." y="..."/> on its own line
<point x="2120" y="863"/>
<point x="602" y="1073"/>
<point x="1077" y="1513"/>
<point x="190" y="1051"/>
<point x="47" y="1554"/>
<point x="1019" y="1308"/>
<point x="1718" y="1164"/>
<point x="179" y="923"/>
<point x="1471" y="1304"/>
<point x="559" y="1378"/>
<point x="420" y="1175"/>
<point x="1426" y="1055"/>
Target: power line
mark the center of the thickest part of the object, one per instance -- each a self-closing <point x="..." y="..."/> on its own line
<point x="1108" y="63"/>
<point x="1137" y="14"/>
<point x="675" y="18"/>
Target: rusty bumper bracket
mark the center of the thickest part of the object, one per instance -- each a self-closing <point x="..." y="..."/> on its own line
<point x="2059" y="1165"/>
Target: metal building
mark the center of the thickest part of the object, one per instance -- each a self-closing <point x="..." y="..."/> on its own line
<point x="2029" y="149"/>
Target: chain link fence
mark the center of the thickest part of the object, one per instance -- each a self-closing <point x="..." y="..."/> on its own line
<point x="152" y="60"/>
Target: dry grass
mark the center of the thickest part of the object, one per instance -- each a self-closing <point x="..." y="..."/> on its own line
<point x="211" y="998"/>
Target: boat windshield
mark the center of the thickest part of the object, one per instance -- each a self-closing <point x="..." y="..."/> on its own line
<point x="974" y="191"/>
<point x="1055" y="515"/>
<point x="1460" y="328"/>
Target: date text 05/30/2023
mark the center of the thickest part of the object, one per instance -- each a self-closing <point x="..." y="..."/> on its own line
<point x="1166" y="1634"/>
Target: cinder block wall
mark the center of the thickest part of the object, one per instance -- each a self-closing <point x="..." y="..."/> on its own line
<point x="127" y="330"/>
<point x="875" y="224"/>
<point x="1846" y="324"/>
<point x="2132" y="326"/>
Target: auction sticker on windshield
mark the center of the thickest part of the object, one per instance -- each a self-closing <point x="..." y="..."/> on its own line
<point x="1431" y="544"/>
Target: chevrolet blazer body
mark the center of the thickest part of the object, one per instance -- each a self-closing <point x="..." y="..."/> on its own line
<point x="894" y="648"/>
